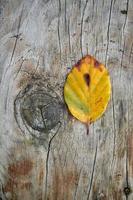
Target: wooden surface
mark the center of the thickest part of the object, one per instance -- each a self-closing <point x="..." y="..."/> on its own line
<point x="44" y="152"/>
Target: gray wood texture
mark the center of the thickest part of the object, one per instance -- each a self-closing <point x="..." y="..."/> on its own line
<point x="45" y="154"/>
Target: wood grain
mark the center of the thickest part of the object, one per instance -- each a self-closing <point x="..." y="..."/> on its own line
<point x="46" y="159"/>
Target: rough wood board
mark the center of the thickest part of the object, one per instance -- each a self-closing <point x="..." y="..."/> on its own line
<point x="39" y="42"/>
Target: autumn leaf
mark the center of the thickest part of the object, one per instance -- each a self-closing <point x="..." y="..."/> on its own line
<point x="87" y="90"/>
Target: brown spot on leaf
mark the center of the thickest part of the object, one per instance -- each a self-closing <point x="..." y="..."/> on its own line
<point x="87" y="79"/>
<point x="20" y="168"/>
<point x="78" y="65"/>
<point x="98" y="65"/>
<point x="88" y="60"/>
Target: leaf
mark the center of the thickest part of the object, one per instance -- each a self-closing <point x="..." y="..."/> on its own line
<point x="87" y="89"/>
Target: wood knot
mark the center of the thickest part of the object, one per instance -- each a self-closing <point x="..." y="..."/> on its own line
<point x="124" y="12"/>
<point x="127" y="190"/>
<point x="37" y="110"/>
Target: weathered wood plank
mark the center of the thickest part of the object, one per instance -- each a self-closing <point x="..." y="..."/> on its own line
<point x="39" y="42"/>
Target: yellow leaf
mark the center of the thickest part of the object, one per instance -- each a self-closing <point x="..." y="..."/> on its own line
<point x="87" y="89"/>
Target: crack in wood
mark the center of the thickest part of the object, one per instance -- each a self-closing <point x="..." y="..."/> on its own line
<point x="69" y="36"/>
<point x="81" y="32"/>
<point x="93" y="3"/>
<point x="92" y="173"/>
<point x="16" y="40"/>
<point x="65" y="17"/>
<point x="122" y="115"/>
<point x="47" y="160"/>
<point x="20" y="67"/>
<point x="58" y="31"/>
<point x="80" y="4"/>
<point x="96" y="49"/>
<point x="127" y="5"/>
<point x="15" y="44"/>
<point x="130" y="55"/>
<point x="122" y="56"/>
<point x="127" y="189"/>
<point x="108" y="31"/>
<point x="124" y="25"/>
<point x="114" y="126"/>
